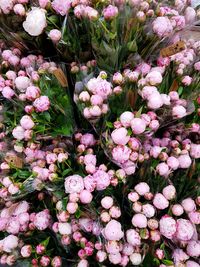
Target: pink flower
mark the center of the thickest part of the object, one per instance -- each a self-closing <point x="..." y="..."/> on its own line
<point x="121" y="153"/>
<point x="194" y="217"/>
<point x="88" y="140"/>
<point x="101" y="256"/>
<point x="86" y="224"/>
<point x="115" y="212"/>
<point x="184" y="161"/>
<point x="74" y="184"/>
<point x="72" y="207"/>
<point x="102" y="179"/>
<point x="26" y="251"/>
<point x="90" y="159"/>
<point x="115" y="258"/>
<point x="142" y="188"/>
<point x="138" y="126"/>
<point x="197" y="66"/>
<point x="27" y="122"/>
<point x="192" y="264"/>
<point x="51" y="158"/>
<point x="187" y="80"/>
<point x="179" y="112"/>
<point x="89" y="183"/>
<point x="120" y="136"/>
<point x="195" y="151"/>
<point x="42" y="103"/>
<point x="43" y="3"/>
<point x="177" y="210"/>
<point x="45" y="261"/>
<point x="113" y="231"/>
<point x="160" y="202"/>
<point x="83" y="263"/>
<point x="55" y="35"/>
<point x="169" y="192"/>
<point x="42" y="220"/>
<point x="162" y="169"/>
<point x="61" y="7"/>
<point x="190" y="15"/>
<point x="117" y="78"/>
<point x="110" y="12"/>
<point x="193" y="249"/>
<point x="32" y="92"/>
<point x="7" y="92"/>
<point x="56" y="262"/>
<point x="85" y="197"/>
<point x="107" y="202"/>
<point x="179" y="256"/>
<point x="22" y="207"/>
<point x="167" y="226"/>
<point x="173" y="163"/>
<point x="148" y="210"/>
<point x="13" y="227"/>
<point x="154" y="78"/>
<point x="133" y="238"/>
<point x="64" y="228"/>
<point x="155" y="101"/>
<point x="22" y="83"/>
<point x="188" y="204"/>
<point x="139" y="220"/>
<point x="185" y="230"/>
<point x="136" y="259"/>
<point x="18" y="133"/>
<point x="10" y="242"/>
<point x="112" y="247"/>
<point x="162" y="26"/>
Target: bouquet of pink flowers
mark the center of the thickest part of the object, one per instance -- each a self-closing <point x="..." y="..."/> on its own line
<point x="99" y="133"/>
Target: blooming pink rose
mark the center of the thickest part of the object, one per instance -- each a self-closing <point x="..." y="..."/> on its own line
<point x="61" y="8"/>
<point x="32" y="92"/>
<point x="179" y="256"/>
<point x="185" y="230"/>
<point x="55" y="35"/>
<point x="27" y="122"/>
<point x="184" y="161"/>
<point x="10" y="242"/>
<point x="42" y="103"/>
<point x="139" y="220"/>
<point x="121" y="153"/>
<point x="89" y="183"/>
<point x="90" y="159"/>
<point x="193" y="249"/>
<point x="160" y="202"/>
<point x="179" y="112"/>
<point x="167" y="226"/>
<point x="42" y="220"/>
<point x="18" y="133"/>
<point x="162" y="26"/>
<point x="195" y="151"/>
<point x="120" y="136"/>
<point x="74" y="184"/>
<point x="102" y="179"/>
<point x="110" y="12"/>
<point x="113" y="231"/>
<point x="133" y="237"/>
<point x="138" y="126"/>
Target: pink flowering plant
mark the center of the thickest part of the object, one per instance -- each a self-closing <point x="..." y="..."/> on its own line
<point x="99" y="134"/>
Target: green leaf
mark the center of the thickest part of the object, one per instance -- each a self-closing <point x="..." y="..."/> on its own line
<point x="180" y="90"/>
<point x="167" y="262"/>
<point x="138" y="114"/>
<point x="64" y="203"/>
<point x="45" y="242"/>
<point x="47" y="116"/>
<point x="109" y="124"/>
<point x="78" y="214"/>
<point x="65" y="172"/>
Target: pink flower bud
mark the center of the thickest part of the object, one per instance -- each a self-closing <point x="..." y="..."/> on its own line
<point x="139" y="220"/>
<point x="160" y="202"/>
<point x="107" y="202"/>
<point x="177" y="210"/>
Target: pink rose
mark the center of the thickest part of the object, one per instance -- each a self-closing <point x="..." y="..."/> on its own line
<point x="32" y="92"/>
<point x="121" y="153"/>
<point x="138" y="126"/>
<point x="155" y="101"/>
<point x="193" y="249"/>
<point x="88" y="140"/>
<point x="120" y="136"/>
<point x="167" y="226"/>
<point x="27" y="122"/>
<point x="107" y="202"/>
<point x="85" y="197"/>
<point x="195" y="151"/>
<point x="55" y="35"/>
<point x="139" y="220"/>
<point x="177" y="210"/>
<point x="110" y="12"/>
<point x="74" y="184"/>
<point x="142" y="188"/>
<point x="18" y="133"/>
<point x="133" y="237"/>
<point x="61" y="7"/>
<point x="10" y="242"/>
<point x="173" y="163"/>
<point x="160" y="202"/>
<point x="162" y="26"/>
<point x="90" y="183"/>
<point x="187" y="80"/>
<point x="185" y="230"/>
<point x="169" y="192"/>
<point x="188" y="204"/>
<point x="113" y="231"/>
<point x="42" y="103"/>
<point x="102" y="179"/>
<point x="42" y="220"/>
<point x="184" y="161"/>
<point x="7" y="92"/>
<point x="26" y="251"/>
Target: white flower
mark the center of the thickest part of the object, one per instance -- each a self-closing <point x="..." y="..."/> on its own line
<point x="64" y="228"/>
<point x="35" y="21"/>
